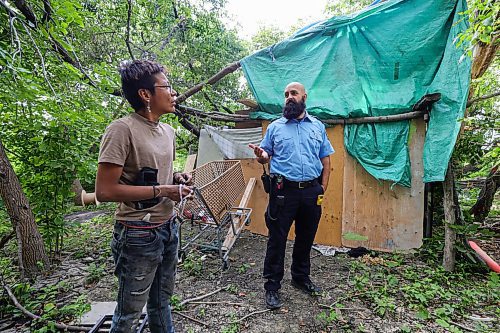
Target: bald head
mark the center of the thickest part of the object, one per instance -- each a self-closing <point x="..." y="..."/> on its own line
<point x="295" y="91"/>
<point x="296" y="85"/>
<point x="295" y="99"/>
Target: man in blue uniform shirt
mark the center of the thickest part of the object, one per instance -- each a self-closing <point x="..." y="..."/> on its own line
<point x="299" y="152"/>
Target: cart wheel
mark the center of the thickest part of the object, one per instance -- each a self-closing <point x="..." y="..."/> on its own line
<point x="225" y="265"/>
<point x="181" y="256"/>
<point x="248" y="221"/>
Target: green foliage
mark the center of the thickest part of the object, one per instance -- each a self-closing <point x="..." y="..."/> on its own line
<point x="232" y="288"/>
<point x="344" y="7"/>
<point x="483" y="18"/>
<point x="233" y="327"/>
<point x="93" y="234"/>
<point x="478" y="144"/>
<point x="96" y="271"/>
<point x="53" y="111"/>
<point x="192" y="264"/>
<point x="328" y="317"/>
<point x="43" y="302"/>
<point x="433" y="294"/>
<point x="267" y="36"/>
<point x="243" y="268"/>
<point x="175" y="303"/>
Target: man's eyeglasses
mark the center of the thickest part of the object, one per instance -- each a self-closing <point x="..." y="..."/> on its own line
<point x="168" y="87"/>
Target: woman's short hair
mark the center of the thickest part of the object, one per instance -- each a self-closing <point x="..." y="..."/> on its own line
<point x="138" y="74"/>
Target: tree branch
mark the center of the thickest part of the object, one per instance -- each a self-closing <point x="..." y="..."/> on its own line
<point x="27" y="12"/>
<point x="197" y="298"/>
<point x="34" y="316"/>
<point x="187" y="124"/>
<point x="47" y="11"/>
<point x="15" y="37"/>
<point x="127" y="41"/>
<point x="251" y="314"/>
<point x="225" y="71"/>
<point x="381" y="119"/>
<point x="218" y="116"/>
<point x="42" y="61"/>
<point x="56" y="46"/>
<point x="181" y="25"/>
<point x="482" y="98"/>
<point x="190" y="318"/>
<point x="7" y="238"/>
<point x="8" y="8"/>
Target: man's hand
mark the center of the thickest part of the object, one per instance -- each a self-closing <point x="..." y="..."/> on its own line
<point x="261" y="154"/>
<point x="183" y="178"/>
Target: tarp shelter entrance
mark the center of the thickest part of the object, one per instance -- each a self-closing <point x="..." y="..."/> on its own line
<point x="224" y="143"/>
<point x="377" y="62"/>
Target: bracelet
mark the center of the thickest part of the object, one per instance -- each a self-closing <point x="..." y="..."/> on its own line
<point x="156" y="195"/>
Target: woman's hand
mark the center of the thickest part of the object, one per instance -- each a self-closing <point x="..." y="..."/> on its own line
<point x="176" y="192"/>
<point x="183" y="178"/>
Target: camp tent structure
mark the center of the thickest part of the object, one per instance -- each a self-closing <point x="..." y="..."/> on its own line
<point x="377" y="62"/>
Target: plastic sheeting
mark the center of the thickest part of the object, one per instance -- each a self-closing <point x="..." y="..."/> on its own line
<point x="233" y="143"/>
<point x="379" y="61"/>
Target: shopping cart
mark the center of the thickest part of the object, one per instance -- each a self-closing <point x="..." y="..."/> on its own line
<point x="209" y="221"/>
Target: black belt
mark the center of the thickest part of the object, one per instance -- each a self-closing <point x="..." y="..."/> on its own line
<point x="300" y="185"/>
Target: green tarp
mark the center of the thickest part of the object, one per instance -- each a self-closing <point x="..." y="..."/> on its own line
<point x="379" y="61"/>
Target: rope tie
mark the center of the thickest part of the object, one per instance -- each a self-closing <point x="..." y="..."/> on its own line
<point x="182" y="200"/>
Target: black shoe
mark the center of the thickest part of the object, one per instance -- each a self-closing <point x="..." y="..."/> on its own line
<point x="307" y="286"/>
<point x="273" y="299"/>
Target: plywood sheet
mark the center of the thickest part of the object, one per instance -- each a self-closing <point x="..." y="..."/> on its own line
<point x="388" y="219"/>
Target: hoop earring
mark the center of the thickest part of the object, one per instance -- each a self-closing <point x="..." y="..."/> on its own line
<point x="148" y="107"/>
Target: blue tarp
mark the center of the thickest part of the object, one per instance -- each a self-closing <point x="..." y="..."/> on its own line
<point x="379" y="61"/>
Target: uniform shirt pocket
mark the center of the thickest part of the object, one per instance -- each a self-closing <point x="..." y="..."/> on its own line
<point x="315" y="139"/>
<point x="284" y="145"/>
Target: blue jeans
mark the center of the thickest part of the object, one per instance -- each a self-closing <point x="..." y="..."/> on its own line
<point x="145" y="264"/>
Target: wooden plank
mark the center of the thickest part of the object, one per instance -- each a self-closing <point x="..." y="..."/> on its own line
<point x="239" y="221"/>
<point x="259" y="198"/>
<point x="190" y="163"/>
<point x="389" y="218"/>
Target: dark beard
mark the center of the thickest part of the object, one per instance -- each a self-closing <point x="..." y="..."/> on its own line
<point x="293" y="109"/>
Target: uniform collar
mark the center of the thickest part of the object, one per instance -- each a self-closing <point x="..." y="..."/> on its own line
<point x="307" y="117"/>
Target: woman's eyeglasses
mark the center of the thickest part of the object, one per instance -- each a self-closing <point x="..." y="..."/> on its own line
<point x="168" y="87"/>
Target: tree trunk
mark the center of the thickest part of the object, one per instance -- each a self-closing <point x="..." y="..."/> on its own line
<point x="450" y="219"/>
<point x="482" y="207"/>
<point x="31" y="251"/>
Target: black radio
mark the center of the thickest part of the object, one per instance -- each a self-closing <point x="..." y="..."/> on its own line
<point x="147" y="177"/>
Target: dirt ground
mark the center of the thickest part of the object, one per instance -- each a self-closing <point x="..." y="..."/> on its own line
<point x="237" y="300"/>
<point x="240" y="307"/>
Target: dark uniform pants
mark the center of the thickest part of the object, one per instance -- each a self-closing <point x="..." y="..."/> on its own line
<point x="285" y="206"/>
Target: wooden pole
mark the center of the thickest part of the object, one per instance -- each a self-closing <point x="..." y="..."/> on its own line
<point x="380" y="119"/>
<point x="219" y="116"/>
<point x="450" y="219"/>
<point x="225" y="71"/>
<point x="238" y="221"/>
